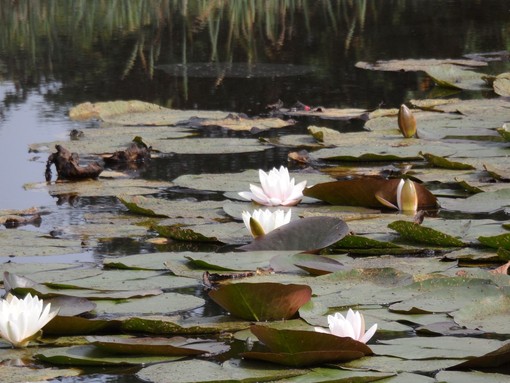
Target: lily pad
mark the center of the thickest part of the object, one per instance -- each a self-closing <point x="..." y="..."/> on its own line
<point x="307" y="234"/>
<point x="176" y="346"/>
<point x="413" y="65"/>
<point x="363" y="192"/>
<point x="498" y="241"/>
<point x="92" y="356"/>
<point x="261" y="301"/>
<point x="501" y="84"/>
<point x="236" y="122"/>
<point x="496" y="358"/>
<point x="453" y="76"/>
<point x="321" y="374"/>
<point x="444" y="163"/>
<point x="299" y="348"/>
<point x="201" y="371"/>
<point x="470" y="377"/>
<point x="16" y="374"/>
<point x="415" y="232"/>
<point x="480" y="203"/>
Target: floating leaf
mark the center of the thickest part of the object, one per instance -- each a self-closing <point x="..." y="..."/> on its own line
<point x="363" y="191"/>
<point x="470" y="377"/>
<point x="502" y="84"/>
<point x="415" y="232"/>
<point x="261" y="301"/>
<point x="181" y="232"/>
<point x="16" y="374"/>
<point x="307" y="234"/>
<point x="317" y="265"/>
<point x="444" y="163"/>
<point x="480" y="203"/>
<point x="176" y="346"/>
<point x="496" y="358"/>
<point x="73" y="325"/>
<point x="413" y="65"/>
<point x="237" y="122"/>
<point x="92" y="356"/>
<point x="498" y="241"/>
<point x="201" y="371"/>
<point x="336" y="375"/>
<point x="304" y="348"/>
<point x="453" y="76"/>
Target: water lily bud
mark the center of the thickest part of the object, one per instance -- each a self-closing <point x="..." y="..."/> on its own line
<point x="261" y="222"/>
<point x="406" y="122"/>
<point x="256" y="228"/>
<point x="407" y="198"/>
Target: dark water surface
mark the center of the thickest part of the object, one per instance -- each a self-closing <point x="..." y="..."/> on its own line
<point x="194" y="55"/>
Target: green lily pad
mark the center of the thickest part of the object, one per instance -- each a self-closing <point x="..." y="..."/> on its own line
<point x="239" y="123"/>
<point x="194" y="325"/>
<point x="487" y="313"/>
<point x="501" y="84"/>
<point x="479" y="203"/>
<point x="498" y="241"/>
<point x="453" y="76"/>
<point x="176" y="346"/>
<point x="73" y="325"/>
<point x="321" y="374"/>
<point x="444" y="347"/>
<point x="470" y="377"/>
<point x="164" y="303"/>
<point x="392" y="364"/>
<point x="261" y="301"/>
<point x="201" y="371"/>
<point x="16" y="374"/>
<point x="415" y="232"/>
<point x="307" y="234"/>
<point x="496" y="358"/>
<point x="444" y="163"/>
<point x="13" y="243"/>
<point x="92" y="356"/>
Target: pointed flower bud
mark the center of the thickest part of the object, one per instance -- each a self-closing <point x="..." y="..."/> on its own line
<point x="406" y="122"/>
<point x="407" y="197"/>
<point x="262" y="222"/>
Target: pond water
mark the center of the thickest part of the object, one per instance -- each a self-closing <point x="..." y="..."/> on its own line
<point x="236" y="56"/>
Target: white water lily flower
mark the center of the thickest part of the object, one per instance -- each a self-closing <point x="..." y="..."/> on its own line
<point x="407" y="198"/>
<point x="21" y="319"/>
<point x="352" y="326"/>
<point x="277" y="188"/>
<point x="266" y="220"/>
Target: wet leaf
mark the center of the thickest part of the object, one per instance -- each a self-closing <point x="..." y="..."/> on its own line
<point x="261" y="301"/>
<point x="414" y="232"/>
<point x="391" y="364"/>
<point x="92" y="356"/>
<point x="363" y="191"/>
<point x="176" y="346"/>
<point x="498" y="241"/>
<point x="161" y="304"/>
<point x="300" y="348"/>
<point x="502" y="84"/>
<point x="413" y="65"/>
<point x="317" y="265"/>
<point x="453" y="76"/>
<point x="480" y="203"/>
<point x="496" y="358"/>
<point x="73" y="325"/>
<point x="489" y="313"/>
<point x="16" y="374"/>
<point x="239" y="123"/>
<point x="444" y="347"/>
<point x="321" y="374"/>
<point x="470" y="377"/>
<point x="201" y="371"/>
<point x="307" y="234"/>
<point x="444" y="163"/>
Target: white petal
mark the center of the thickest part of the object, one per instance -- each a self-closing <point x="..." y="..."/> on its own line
<point x="371" y="331"/>
<point x="322" y="330"/>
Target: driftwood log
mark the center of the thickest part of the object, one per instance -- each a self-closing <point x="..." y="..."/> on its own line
<point x="68" y="167"/>
<point x="137" y="152"/>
